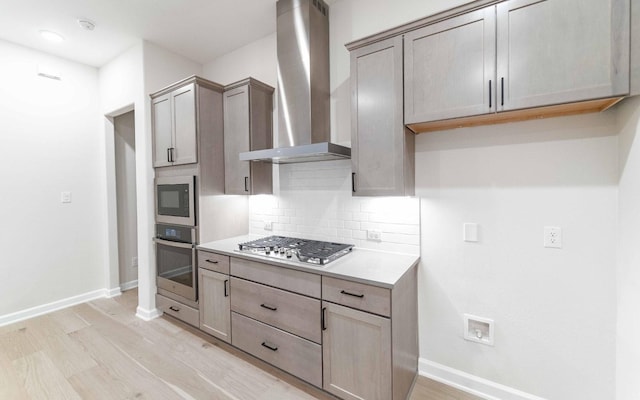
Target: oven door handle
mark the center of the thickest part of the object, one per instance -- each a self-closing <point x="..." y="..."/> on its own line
<point x="174" y="244"/>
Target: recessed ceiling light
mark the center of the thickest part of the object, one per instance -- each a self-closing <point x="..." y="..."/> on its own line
<point x="52" y="36"/>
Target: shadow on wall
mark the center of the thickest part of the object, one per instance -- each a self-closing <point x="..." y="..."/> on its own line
<point x="628" y="126"/>
<point x="566" y="151"/>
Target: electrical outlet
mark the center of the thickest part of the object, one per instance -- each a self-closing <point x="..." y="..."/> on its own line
<point x="374" y="235"/>
<point x="553" y="237"/>
<point x="268" y="225"/>
<point x="478" y="329"/>
<point x="134" y="262"/>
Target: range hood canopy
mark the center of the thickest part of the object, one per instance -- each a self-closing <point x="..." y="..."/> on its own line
<point x="304" y="131"/>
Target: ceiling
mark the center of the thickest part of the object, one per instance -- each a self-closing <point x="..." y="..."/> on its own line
<point x="200" y="30"/>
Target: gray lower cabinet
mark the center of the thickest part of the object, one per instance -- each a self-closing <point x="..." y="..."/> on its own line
<point x="382" y="150"/>
<point x="352" y="339"/>
<point x="248" y="108"/>
<point x="215" y="317"/>
<point x="356" y="349"/>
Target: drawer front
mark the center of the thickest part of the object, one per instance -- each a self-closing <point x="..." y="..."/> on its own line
<point x="284" y="278"/>
<point x="295" y="355"/>
<point x="178" y="310"/>
<point x="369" y="298"/>
<point x="213" y="262"/>
<point x="291" y="312"/>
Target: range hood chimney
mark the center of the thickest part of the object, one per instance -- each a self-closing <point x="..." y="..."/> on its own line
<point x="304" y="130"/>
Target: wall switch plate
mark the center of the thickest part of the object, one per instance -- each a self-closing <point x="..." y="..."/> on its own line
<point x="65" y="197"/>
<point x="268" y="225"/>
<point x="553" y="237"/>
<point x="478" y="329"/>
<point x="374" y="235"/>
<point x="470" y="232"/>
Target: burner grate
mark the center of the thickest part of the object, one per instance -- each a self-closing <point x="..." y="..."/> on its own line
<point x="308" y="251"/>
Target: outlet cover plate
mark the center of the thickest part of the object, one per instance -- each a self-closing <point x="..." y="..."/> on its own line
<point x="553" y="237"/>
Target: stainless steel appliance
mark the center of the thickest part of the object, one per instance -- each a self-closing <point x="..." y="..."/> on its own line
<point x="176" y="200"/>
<point x="304" y="131"/>
<point x="176" y="272"/>
<point x="303" y="250"/>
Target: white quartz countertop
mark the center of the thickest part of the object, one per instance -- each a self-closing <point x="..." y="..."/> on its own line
<point x="372" y="267"/>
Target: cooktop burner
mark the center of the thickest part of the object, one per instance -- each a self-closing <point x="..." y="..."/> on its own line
<point x="305" y="250"/>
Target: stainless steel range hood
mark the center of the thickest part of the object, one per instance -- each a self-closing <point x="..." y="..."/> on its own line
<point x="304" y="130"/>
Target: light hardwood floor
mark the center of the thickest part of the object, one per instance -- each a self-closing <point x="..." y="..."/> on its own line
<point x="100" y="350"/>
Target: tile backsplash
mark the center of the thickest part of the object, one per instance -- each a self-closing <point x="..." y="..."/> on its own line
<point x="314" y="201"/>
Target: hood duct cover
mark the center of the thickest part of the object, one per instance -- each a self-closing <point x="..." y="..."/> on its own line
<point x="304" y="130"/>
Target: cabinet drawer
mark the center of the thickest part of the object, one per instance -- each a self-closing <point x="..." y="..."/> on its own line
<point x="373" y="299"/>
<point x="291" y="312"/>
<point x="178" y="310"/>
<point x="213" y="262"/>
<point x="295" y="355"/>
<point x="284" y="278"/>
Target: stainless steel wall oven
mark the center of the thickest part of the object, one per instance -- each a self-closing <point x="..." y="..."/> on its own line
<point x="176" y="270"/>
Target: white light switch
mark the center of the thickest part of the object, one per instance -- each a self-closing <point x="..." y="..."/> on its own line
<point x="65" y="197"/>
<point x="470" y="232"/>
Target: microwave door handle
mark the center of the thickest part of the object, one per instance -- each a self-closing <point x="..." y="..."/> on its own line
<point x="175" y="244"/>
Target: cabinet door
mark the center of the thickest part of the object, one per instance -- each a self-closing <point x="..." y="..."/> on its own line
<point x="215" y="307"/>
<point x="184" y="139"/>
<point x="378" y="142"/>
<point x="560" y="51"/>
<point x="162" y="130"/>
<point x="236" y="140"/>
<point x="450" y="68"/>
<point x="356" y="349"/>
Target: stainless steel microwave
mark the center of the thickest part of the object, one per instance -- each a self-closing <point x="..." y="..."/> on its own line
<point x="175" y="200"/>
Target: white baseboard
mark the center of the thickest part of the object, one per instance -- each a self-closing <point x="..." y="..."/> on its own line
<point x="129" y="285"/>
<point x="53" y="306"/>
<point x="112" y="292"/>
<point x="148" y="315"/>
<point x="470" y="383"/>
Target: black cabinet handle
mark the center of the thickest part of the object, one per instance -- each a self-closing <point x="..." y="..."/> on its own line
<point x="270" y="347"/>
<point x="169" y="154"/>
<point x="211" y="261"/>
<point x="268" y="307"/>
<point x="323" y="318"/>
<point x="353" y="182"/>
<point x="246" y="183"/>
<point x="352" y="294"/>
<point x="172" y="308"/>
<point x="489" y="93"/>
<point x="502" y="91"/>
<point x="226" y="290"/>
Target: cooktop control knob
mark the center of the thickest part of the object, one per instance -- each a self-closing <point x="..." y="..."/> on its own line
<point x="288" y="253"/>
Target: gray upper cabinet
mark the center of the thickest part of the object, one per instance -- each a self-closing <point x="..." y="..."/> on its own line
<point x="174" y="127"/>
<point x="248" y="108"/>
<point x="515" y="60"/>
<point x="450" y="68"/>
<point x="178" y="120"/>
<point x="382" y="150"/>
<point x="561" y="51"/>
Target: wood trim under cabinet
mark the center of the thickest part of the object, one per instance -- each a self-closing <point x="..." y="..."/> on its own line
<point x="583" y="107"/>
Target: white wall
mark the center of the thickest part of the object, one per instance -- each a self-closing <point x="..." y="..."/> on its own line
<point x="553" y="308"/>
<point x="52" y="143"/>
<point x="125" y="163"/>
<point x="628" y="273"/>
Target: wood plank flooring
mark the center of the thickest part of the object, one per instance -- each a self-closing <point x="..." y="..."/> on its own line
<point x="100" y="350"/>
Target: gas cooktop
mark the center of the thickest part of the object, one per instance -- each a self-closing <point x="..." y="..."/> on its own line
<point x="304" y="250"/>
